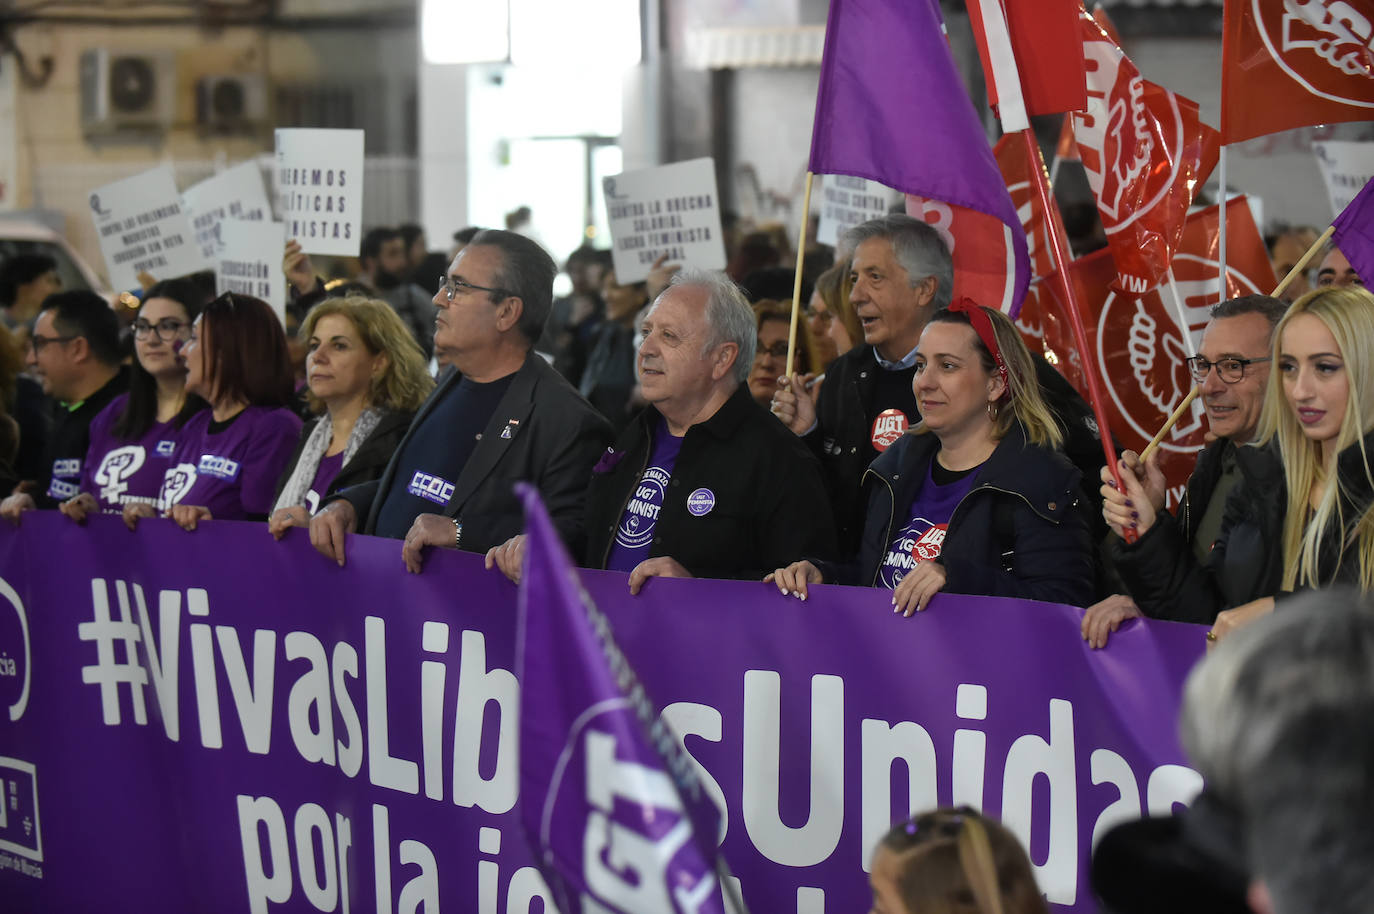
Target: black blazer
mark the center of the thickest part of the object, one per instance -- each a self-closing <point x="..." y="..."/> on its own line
<point x="554" y="437"/>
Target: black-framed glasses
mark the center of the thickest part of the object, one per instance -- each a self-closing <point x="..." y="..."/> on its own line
<point x="37" y="342"/>
<point x="778" y="350"/>
<point x="1229" y="370"/>
<point x="451" y="285"/>
<point x="168" y="329"/>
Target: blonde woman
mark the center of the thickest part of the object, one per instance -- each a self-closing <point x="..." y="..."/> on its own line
<point x="1319" y="410"/>
<point x="366" y="378"/>
<point x="953" y="861"/>
<point x="976" y="498"/>
<point x="831" y="318"/>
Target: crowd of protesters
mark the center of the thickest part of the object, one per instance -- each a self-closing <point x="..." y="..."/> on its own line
<point x="917" y="445"/>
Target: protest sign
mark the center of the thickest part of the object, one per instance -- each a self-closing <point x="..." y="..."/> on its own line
<point x="249" y="262"/>
<point x="143" y="227"/>
<point x="848" y="201"/>
<point x="320" y="188"/>
<point x="1346" y="168"/>
<point x="235" y="193"/>
<point x="667" y="211"/>
<point x="214" y="721"/>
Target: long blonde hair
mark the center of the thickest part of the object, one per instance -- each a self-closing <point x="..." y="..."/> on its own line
<point x="406" y="382"/>
<point x="956" y="861"/>
<point x="1348" y="313"/>
<point x="1022" y="402"/>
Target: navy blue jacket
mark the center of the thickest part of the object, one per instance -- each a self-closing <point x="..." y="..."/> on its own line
<point x="1021" y="531"/>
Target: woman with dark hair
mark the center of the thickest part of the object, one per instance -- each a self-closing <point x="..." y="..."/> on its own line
<point x="366" y="377"/>
<point x="953" y="861"/>
<point x="132" y="439"/>
<point x="228" y="457"/>
<point x="976" y="498"/>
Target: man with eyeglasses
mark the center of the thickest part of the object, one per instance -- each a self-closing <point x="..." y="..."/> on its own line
<point x="74" y="352"/>
<point x="1167" y="572"/>
<point x="503" y="416"/>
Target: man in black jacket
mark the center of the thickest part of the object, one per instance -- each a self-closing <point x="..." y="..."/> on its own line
<point x="1167" y="571"/>
<point x="703" y="482"/>
<point x="503" y="416"/>
<point x="74" y="350"/>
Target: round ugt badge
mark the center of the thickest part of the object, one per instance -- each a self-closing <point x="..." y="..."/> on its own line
<point x="700" y="502"/>
<point x="890" y="425"/>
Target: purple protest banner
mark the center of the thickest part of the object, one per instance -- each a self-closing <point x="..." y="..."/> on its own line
<point x="601" y="776"/>
<point x="214" y="721"/>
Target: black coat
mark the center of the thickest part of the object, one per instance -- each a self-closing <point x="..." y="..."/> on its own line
<point x="367" y="462"/>
<point x="1021" y="531"/>
<point x="1160" y="570"/>
<point x="768" y="510"/>
<point x="554" y="438"/>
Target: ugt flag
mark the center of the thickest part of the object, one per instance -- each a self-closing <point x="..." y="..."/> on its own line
<point x="609" y="801"/>
<point x="1354" y="233"/>
<point x="1293" y="63"/>
<point x="891" y="108"/>
<point x="1146" y="152"/>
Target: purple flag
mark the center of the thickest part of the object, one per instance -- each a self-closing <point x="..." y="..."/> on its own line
<point x="891" y="108"/>
<point x="610" y="804"/>
<point x="1354" y="233"/>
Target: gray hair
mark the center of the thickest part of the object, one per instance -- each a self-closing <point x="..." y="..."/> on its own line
<point x="1278" y="723"/>
<point x="728" y="315"/>
<point x="918" y="248"/>
<point x="1267" y="307"/>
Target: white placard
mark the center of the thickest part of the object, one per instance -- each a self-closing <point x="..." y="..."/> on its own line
<point x="9" y="139"/>
<point x="248" y="262"/>
<point x="235" y="193"/>
<point x="669" y="210"/>
<point x="848" y="201"/>
<point x="320" y="188"/>
<point x="143" y="227"/>
<point x="1346" y="168"/>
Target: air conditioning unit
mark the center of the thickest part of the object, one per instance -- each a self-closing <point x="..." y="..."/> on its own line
<point x="127" y="91"/>
<point x="231" y="101"/>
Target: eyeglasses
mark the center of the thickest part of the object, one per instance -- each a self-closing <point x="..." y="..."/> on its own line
<point x="1229" y="370"/>
<point x="451" y="285"/>
<point x="167" y="329"/>
<point x="815" y="314"/>
<point x="778" y="350"/>
<point x="36" y="342"/>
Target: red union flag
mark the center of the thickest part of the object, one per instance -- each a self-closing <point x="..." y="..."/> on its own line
<point x="1293" y="63"/>
<point x="1015" y="163"/>
<point x="984" y="251"/>
<point x="1146" y="152"/>
<point x="1141" y="341"/>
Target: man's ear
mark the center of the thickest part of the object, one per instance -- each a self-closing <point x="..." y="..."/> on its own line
<point x="724" y="360"/>
<point x="79" y="349"/>
<point x="926" y="289"/>
<point x="512" y="307"/>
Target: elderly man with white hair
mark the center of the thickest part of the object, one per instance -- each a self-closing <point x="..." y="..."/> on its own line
<point x="704" y="482"/>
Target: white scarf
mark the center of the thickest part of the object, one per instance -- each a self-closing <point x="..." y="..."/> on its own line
<point x="294" y="492"/>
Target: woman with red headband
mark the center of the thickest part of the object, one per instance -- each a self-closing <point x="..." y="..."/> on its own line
<point x="976" y="498"/>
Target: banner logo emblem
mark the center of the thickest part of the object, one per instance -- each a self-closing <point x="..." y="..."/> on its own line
<point x="1320" y="44"/>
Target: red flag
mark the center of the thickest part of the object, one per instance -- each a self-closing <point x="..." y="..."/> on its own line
<point x="1066" y="150"/>
<point x="983" y="250"/>
<point x="1045" y="43"/>
<point x="1146" y="152"/>
<point x="1138" y="341"/>
<point x="1295" y="63"/>
<point x="1016" y="166"/>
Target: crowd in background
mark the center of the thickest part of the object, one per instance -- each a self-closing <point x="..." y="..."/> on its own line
<point x="918" y="445"/>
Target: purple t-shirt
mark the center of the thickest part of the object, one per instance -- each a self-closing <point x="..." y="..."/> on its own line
<point x="118" y="471"/>
<point x="634" y="536"/>
<point x="923" y="535"/>
<point x="324" y="476"/>
<point x="231" y="467"/>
